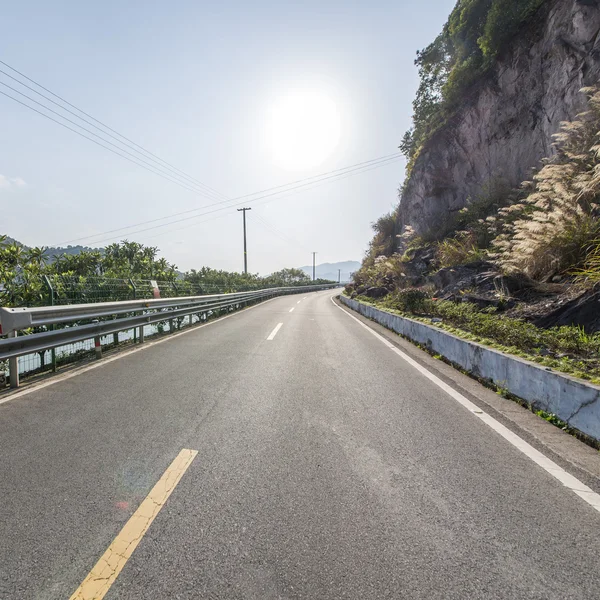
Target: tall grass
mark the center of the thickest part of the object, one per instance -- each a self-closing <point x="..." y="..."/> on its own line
<point x="590" y="272"/>
<point x="551" y="230"/>
<point x="385" y="271"/>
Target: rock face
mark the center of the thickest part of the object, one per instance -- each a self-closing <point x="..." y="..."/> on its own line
<point x="507" y="122"/>
<point x="583" y="310"/>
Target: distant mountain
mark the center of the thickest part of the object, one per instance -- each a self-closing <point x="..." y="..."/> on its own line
<point x="330" y="270"/>
<point x="53" y="252"/>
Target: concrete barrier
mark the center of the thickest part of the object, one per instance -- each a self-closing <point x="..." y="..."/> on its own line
<point x="572" y="400"/>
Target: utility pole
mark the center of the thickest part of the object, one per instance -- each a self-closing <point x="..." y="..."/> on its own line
<point x="339" y="275"/>
<point x="243" y="210"/>
<point x="314" y="254"/>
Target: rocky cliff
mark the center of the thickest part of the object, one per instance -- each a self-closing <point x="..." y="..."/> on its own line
<point x="505" y="127"/>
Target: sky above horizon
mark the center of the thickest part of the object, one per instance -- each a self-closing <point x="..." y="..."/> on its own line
<point x="241" y="97"/>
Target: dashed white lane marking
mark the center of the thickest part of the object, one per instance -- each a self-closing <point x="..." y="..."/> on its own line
<point x="305" y="297"/>
<point x="274" y="332"/>
<point x="298" y="301"/>
<point x="145" y="346"/>
<point x="292" y="309"/>
<point x="570" y="482"/>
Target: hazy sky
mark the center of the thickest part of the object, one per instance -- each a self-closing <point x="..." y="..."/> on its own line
<point x="241" y="96"/>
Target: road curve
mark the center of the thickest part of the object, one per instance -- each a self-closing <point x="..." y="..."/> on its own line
<point x="326" y="467"/>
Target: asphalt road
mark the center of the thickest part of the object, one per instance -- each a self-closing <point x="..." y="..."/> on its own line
<point x="327" y="467"/>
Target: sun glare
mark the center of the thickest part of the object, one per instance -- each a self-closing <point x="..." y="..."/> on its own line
<point x="303" y="129"/>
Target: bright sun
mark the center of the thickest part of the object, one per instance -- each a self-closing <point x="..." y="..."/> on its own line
<point x="303" y="129"/>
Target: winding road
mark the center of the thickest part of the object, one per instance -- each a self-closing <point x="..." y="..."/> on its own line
<point x="281" y="452"/>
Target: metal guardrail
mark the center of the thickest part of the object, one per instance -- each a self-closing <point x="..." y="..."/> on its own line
<point x="15" y="319"/>
<point x="90" y="321"/>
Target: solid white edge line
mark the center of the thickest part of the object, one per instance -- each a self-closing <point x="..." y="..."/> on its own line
<point x="105" y="361"/>
<point x="570" y="482"/>
<point x="292" y="309"/>
<point x="274" y="332"/>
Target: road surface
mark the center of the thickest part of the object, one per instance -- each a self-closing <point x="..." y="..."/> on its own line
<point x="326" y="467"/>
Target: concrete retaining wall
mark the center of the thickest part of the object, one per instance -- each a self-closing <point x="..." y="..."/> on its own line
<point x="570" y="399"/>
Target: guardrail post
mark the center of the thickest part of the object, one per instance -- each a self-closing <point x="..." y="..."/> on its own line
<point x="98" y="347"/>
<point x="141" y="334"/>
<point x="52" y="327"/>
<point x="13" y="366"/>
<point x="135" y="298"/>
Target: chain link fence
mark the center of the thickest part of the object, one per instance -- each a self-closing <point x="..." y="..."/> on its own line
<point x="82" y="290"/>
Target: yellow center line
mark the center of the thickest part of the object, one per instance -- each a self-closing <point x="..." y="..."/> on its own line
<point x="111" y="563"/>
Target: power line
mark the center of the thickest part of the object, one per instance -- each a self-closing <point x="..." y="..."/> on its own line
<point x="151" y="237"/>
<point x="266" y="196"/>
<point x="375" y="163"/>
<point x="156" y="170"/>
<point x="290" y="183"/>
<point x="174" y="171"/>
<point x="272" y="229"/>
<point x="150" y="154"/>
<point x="135" y="162"/>
<point x="221" y="216"/>
<point x="86" y="137"/>
<point x="391" y="157"/>
<point x="277" y="232"/>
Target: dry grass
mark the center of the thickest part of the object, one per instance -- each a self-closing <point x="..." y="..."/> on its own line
<point x="590" y="273"/>
<point x="551" y="231"/>
<point x="385" y="271"/>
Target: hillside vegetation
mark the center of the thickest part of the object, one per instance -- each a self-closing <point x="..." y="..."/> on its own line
<point x="516" y="268"/>
<point x="520" y="269"/>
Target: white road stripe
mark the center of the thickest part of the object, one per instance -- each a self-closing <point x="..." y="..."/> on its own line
<point x="61" y="377"/>
<point x="305" y="297"/>
<point x="292" y="309"/>
<point x="274" y="332"/>
<point x="570" y="482"/>
<point x="298" y="301"/>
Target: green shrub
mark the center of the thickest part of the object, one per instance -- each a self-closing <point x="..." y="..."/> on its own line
<point x="475" y="33"/>
<point x="503" y="21"/>
<point x="411" y="300"/>
<point x="489" y="324"/>
<point x="384" y="240"/>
